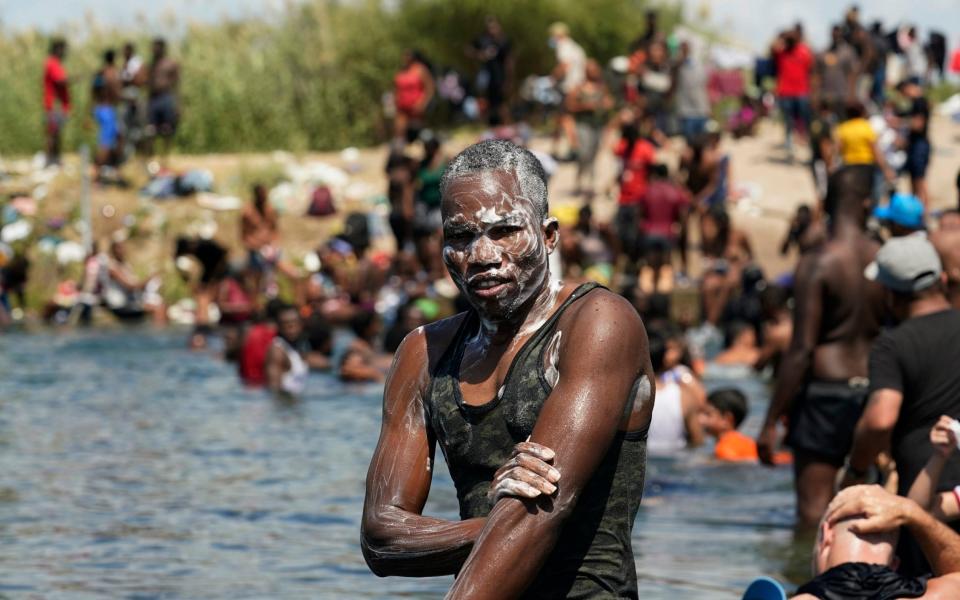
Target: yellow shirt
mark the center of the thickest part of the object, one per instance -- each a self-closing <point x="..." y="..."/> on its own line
<point x="857" y="138"/>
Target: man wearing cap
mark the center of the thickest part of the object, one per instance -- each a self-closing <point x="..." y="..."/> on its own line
<point x="914" y="376"/>
<point x="903" y="215"/>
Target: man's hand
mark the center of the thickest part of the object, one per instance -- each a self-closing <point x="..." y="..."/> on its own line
<point x="527" y="474"/>
<point x="767" y="443"/>
<point x="943" y="437"/>
<point x="879" y="510"/>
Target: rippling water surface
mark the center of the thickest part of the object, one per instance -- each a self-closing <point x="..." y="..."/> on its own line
<point x="130" y="467"/>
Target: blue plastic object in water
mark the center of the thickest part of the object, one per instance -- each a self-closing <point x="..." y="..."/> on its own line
<point x="765" y="588"/>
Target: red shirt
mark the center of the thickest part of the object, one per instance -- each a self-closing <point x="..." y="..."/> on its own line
<point x="793" y="71"/>
<point x="634" y="181"/>
<point x="410" y="89"/>
<point x="253" y="356"/>
<point x="662" y="206"/>
<point x="55" y="84"/>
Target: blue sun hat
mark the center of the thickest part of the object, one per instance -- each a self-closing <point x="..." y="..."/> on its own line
<point x="765" y="588"/>
<point x="905" y="210"/>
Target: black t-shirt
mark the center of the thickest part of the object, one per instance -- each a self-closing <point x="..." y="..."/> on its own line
<point x="919" y="359"/>
<point x="498" y="50"/>
<point x="918" y="107"/>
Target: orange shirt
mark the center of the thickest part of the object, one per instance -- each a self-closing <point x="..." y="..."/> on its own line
<point x="735" y="447"/>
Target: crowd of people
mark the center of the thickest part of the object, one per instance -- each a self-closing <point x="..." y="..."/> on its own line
<point x="133" y="103"/>
<point x="856" y="339"/>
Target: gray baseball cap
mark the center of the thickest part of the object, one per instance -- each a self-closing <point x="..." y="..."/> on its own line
<point x="906" y="264"/>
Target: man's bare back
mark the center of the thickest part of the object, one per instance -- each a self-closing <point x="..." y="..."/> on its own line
<point x="851" y="308"/>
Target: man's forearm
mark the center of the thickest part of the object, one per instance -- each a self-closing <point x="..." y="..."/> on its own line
<point x="868" y="443"/>
<point x="924" y="488"/>
<point x="791" y="373"/>
<point x="940" y="544"/>
<point x="505" y="571"/>
<point x="411" y="545"/>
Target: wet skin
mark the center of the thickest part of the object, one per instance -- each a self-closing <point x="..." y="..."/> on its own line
<point x="496" y="247"/>
<point x="947" y="242"/>
<point x="836" y="317"/>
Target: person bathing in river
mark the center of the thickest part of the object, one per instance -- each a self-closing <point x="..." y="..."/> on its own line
<point x="285" y="367"/>
<point x="539" y="397"/>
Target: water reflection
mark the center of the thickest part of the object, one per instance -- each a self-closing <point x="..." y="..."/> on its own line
<point x="131" y="467"/>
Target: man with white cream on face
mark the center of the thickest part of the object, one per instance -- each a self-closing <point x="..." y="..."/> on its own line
<point x="539" y="398"/>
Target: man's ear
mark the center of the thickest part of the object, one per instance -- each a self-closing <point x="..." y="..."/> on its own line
<point x="551" y="233"/>
<point x="826" y="535"/>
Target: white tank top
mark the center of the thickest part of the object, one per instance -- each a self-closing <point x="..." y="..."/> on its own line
<point x="668" y="433"/>
<point x="295" y="379"/>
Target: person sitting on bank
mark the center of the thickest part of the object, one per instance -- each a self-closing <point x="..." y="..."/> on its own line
<point x="127" y="296"/>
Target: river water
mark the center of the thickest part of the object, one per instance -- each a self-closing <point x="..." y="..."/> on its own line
<point x="132" y="468"/>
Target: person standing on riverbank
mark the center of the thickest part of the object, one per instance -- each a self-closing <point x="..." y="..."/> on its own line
<point x="105" y="93"/>
<point x="794" y="63"/>
<point x="56" y="98"/>
<point x="133" y="76"/>
<point x="494" y="51"/>
<point x="163" y="80"/>
<point x="528" y="361"/>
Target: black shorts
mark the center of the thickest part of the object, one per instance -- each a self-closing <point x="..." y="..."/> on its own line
<point x="162" y="114"/>
<point x="657" y="243"/>
<point x="823" y="419"/>
<point x="918" y="159"/>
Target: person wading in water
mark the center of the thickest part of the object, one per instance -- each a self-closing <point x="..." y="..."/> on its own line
<point x="564" y="367"/>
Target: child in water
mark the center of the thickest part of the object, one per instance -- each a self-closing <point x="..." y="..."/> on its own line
<point x="723" y="413"/>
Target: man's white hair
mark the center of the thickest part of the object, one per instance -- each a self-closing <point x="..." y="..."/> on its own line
<point x="502" y="155"/>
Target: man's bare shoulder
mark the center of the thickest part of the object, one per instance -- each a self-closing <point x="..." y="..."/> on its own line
<point x="603" y="313"/>
<point x="943" y="587"/>
<point x="946" y="241"/>
<point x="430" y="341"/>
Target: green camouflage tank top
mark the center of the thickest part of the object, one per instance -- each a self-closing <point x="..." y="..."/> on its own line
<point x="593" y="557"/>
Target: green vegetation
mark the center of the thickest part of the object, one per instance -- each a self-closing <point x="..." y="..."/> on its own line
<point x="309" y="77"/>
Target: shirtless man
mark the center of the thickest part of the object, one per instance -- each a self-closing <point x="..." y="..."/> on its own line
<point x="163" y="79"/>
<point x="565" y="367"/>
<point x="105" y="95"/>
<point x="946" y="240"/>
<point x="823" y="376"/>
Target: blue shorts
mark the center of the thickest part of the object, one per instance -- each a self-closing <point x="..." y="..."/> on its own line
<point x="108" y="126"/>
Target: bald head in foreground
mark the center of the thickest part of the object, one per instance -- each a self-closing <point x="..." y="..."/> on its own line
<point x="539" y="398"/>
<point x="854" y="554"/>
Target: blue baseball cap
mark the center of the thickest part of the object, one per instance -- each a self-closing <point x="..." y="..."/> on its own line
<point x="905" y="210"/>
